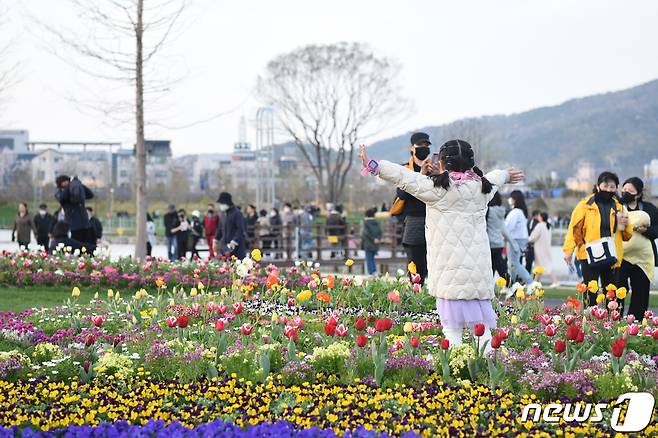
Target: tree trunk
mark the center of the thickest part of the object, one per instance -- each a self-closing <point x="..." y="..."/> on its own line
<point x="140" y="151"/>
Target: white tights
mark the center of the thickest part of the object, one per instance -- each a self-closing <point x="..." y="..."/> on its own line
<point x="454" y="336"/>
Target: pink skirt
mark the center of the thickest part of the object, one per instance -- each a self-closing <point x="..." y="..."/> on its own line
<point x="465" y="313"/>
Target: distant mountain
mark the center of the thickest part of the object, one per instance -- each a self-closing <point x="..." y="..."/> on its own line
<point x="616" y="130"/>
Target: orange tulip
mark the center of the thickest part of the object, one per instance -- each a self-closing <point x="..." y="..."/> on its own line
<point x="324" y="297"/>
<point x="330" y="282"/>
<point x="581" y="287"/>
<point x="574" y="302"/>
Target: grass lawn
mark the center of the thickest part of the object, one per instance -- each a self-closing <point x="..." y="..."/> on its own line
<point x="13" y="299"/>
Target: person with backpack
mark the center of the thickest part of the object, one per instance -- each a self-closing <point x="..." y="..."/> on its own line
<point x="412" y="210"/>
<point x="72" y="194"/>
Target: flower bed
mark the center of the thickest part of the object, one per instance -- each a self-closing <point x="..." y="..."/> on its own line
<point x="314" y="350"/>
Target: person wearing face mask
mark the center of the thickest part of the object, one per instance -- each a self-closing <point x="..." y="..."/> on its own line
<point x="232" y="232"/>
<point x="276" y="230"/>
<point x="288" y="221"/>
<point x="44" y="222"/>
<point x="413" y="211"/>
<point x="640" y="259"/>
<point x="599" y="225"/>
<point x="210" y="226"/>
<point x="182" y="232"/>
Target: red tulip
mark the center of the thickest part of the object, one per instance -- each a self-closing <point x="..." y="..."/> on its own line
<point x="415" y="341"/>
<point x="572" y="332"/>
<point x="90" y="340"/>
<point x="611" y="294"/>
<point x="221" y="309"/>
<point x="618" y="347"/>
<point x="502" y="334"/>
<point x="361" y="340"/>
<point x="360" y="324"/>
<point x="478" y="330"/>
<point x="210" y="306"/>
<point x="329" y="329"/>
<point x="495" y="342"/>
<point x="341" y="331"/>
<point x="550" y="330"/>
<point x="182" y="321"/>
<point x="85" y="366"/>
<point x="560" y="346"/>
<point x="415" y="279"/>
<point x="655" y="334"/>
<point x="219" y="325"/>
<point x="291" y="302"/>
<point x="97" y="320"/>
<point x="648" y="314"/>
<point x="246" y="329"/>
<point x="581" y="337"/>
<point x="332" y="320"/>
<point x="445" y="344"/>
<point x="569" y="319"/>
<point x="298" y="322"/>
<point x="615" y="315"/>
<point x="237" y="308"/>
<point x="172" y="321"/>
<point x="291" y="332"/>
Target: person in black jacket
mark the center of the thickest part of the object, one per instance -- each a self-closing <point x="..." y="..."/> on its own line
<point x="632" y="274"/>
<point x="232" y="233"/>
<point x="74" y="211"/>
<point x="95" y="224"/>
<point x="171" y="222"/>
<point x="413" y="235"/>
<point x="44" y="222"/>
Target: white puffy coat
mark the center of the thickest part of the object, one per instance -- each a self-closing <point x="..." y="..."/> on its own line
<point x="458" y="254"/>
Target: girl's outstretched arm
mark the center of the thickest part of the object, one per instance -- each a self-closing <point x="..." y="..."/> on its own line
<point x="414" y="183"/>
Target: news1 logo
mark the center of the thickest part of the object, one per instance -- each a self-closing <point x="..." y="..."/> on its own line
<point x="637" y="418"/>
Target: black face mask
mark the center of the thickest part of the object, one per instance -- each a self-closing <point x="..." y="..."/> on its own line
<point x="422" y="152"/>
<point x="627" y="198"/>
<point x="210" y="212"/>
<point x="604" y="196"/>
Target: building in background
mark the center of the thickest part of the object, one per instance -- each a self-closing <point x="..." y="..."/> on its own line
<point x="584" y="179"/>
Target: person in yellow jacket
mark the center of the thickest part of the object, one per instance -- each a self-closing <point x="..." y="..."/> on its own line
<point x="598" y="216"/>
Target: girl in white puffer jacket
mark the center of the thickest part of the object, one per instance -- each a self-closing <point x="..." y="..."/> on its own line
<point x="458" y="257"/>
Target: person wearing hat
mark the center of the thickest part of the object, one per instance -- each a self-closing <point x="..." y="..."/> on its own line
<point x="171" y="223"/>
<point x="232" y="231"/>
<point x="413" y="212"/>
<point x="640" y="257"/>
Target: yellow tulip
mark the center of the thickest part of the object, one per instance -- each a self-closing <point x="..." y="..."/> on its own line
<point x="600" y="298"/>
<point x="193" y="292"/>
<point x="110" y="293"/>
<point x="593" y="286"/>
<point x="75" y="293"/>
<point x="621" y="293"/>
<point x="520" y="293"/>
<point x="540" y="293"/>
<point x="256" y="255"/>
<point x="200" y="286"/>
<point x="611" y="287"/>
<point x="514" y="319"/>
<point x="538" y="270"/>
<point x="408" y="328"/>
<point x="349" y="262"/>
<point x="412" y="268"/>
<point x="500" y="282"/>
<point x="517" y="332"/>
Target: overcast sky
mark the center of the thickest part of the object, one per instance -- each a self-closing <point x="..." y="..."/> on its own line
<point x="459" y="58"/>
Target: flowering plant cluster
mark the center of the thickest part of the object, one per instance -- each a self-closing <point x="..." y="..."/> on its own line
<point x="275" y="336"/>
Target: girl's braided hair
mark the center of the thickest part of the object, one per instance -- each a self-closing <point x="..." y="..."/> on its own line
<point x="457" y="156"/>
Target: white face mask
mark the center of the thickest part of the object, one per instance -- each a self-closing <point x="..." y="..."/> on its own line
<point x="510" y="201"/>
<point x="42" y="212"/>
<point x="223" y="207"/>
<point x="272" y="214"/>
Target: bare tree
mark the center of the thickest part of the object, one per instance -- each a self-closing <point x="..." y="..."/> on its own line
<point x="473" y="131"/>
<point x="8" y="69"/>
<point x="328" y="98"/>
<point x="121" y="45"/>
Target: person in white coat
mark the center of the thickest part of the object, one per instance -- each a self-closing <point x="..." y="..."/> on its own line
<point x="456" y="195"/>
<point x="517" y="226"/>
<point x="541" y="238"/>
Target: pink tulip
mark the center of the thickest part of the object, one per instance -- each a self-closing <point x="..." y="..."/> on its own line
<point x="298" y="322"/>
<point x="195" y="308"/>
<point x="97" y="320"/>
<point x="210" y="306"/>
<point x="615" y="315"/>
<point x="550" y="330"/>
<point x="545" y="319"/>
<point x="221" y="309"/>
<point x="417" y="287"/>
<point x="569" y="319"/>
<point x="613" y="305"/>
<point x="370" y="331"/>
<point x="633" y="329"/>
<point x="648" y="314"/>
<point x="219" y="325"/>
<point x="172" y="321"/>
<point x="654" y="321"/>
<point x="341" y="331"/>
<point x="394" y="296"/>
